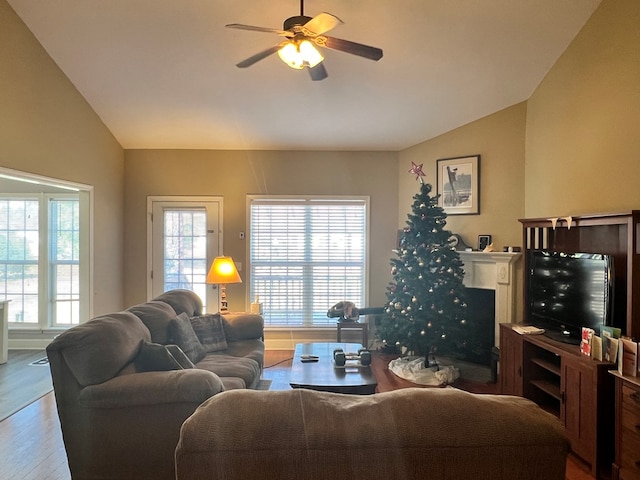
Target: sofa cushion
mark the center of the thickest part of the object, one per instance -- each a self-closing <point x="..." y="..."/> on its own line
<point x="182" y="334"/>
<point x="253" y="349"/>
<point x="97" y="350"/>
<point x="243" y="326"/>
<point x="156" y="316"/>
<point x="154" y="357"/>
<point x="210" y="331"/>
<point x="229" y="366"/>
<point x="182" y="301"/>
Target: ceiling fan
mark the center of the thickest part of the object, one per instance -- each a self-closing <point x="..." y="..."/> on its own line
<point x="303" y="34"/>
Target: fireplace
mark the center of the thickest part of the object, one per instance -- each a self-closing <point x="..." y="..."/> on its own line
<point x="493" y="271"/>
<point x="481" y="316"/>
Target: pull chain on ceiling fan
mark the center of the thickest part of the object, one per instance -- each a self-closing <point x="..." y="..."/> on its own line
<point x="303" y="35"/>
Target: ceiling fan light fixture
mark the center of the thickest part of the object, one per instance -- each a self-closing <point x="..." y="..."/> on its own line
<point x="300" y="54"/>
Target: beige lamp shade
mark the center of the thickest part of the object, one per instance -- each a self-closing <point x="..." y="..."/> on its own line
<point x="223" y="270"/>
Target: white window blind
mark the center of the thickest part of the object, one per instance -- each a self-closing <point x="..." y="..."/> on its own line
<point x="307" y="254"/>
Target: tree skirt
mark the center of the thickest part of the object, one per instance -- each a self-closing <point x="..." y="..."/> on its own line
<point x="412" y="369"/>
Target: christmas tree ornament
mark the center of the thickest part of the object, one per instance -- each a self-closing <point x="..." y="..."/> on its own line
<point x="417" y="171"/>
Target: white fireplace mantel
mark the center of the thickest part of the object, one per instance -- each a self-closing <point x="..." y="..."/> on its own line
<point x="494" y="271"/>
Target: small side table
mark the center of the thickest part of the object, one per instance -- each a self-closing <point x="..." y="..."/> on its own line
<point x="362" y="326"/>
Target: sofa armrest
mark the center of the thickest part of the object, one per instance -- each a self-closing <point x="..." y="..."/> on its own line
<point x="243" y="326"/>
<point x="152" y="388"/>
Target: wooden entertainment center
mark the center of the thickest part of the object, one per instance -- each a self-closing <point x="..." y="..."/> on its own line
<point x="577" y="389"/>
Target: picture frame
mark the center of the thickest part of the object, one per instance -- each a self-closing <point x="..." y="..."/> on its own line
<point x="458" y="185"/>
<point x="483" y="242"/>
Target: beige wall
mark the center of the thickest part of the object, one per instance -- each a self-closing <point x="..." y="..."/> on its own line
<point x="499" y="139"/>
<point x="47" y="128"/>
<point x="583" y="134"/>
<point x="235" y="174"/>
<point x="579" y="156"/>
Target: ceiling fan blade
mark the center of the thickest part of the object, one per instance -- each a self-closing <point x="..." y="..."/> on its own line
<point x="240" y="26"/>
<point x="366" y="51"/>
<point x="318" y="72"/>
<point x="321" y="23"/>
<point x="258" y="56"/>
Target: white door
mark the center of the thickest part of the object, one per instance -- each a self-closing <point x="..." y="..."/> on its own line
<point x="185" y="237"/>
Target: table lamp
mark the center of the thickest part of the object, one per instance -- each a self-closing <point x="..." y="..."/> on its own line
<point x="223" y="270"/>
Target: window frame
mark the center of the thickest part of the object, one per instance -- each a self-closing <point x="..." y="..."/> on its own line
<point x="307" y="324"/>
<point x="47" y="320"/>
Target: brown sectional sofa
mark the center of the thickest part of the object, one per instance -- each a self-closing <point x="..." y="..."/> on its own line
<point x="410" y="434"/>
<point x="120" y="417"/>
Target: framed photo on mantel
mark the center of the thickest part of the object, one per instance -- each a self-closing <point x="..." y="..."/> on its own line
<point x="458" y="184"/>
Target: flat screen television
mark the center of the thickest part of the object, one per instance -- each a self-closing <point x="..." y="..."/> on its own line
<point x="568" y="291"/>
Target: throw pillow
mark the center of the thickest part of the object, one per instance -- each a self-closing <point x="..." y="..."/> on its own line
<point x="154" y="357"/>
<point x="182" y="334"/>
<point x="210" y="331"/>
<point x="180" y="356"/>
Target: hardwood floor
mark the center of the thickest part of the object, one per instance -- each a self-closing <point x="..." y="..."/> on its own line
<point x="21" y="383"/>
<point x="31" y="445"/>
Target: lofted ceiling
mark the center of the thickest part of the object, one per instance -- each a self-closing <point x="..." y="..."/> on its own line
<point x="162" y="74"/>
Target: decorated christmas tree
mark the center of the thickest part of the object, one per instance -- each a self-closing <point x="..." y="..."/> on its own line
<point x="426" y="309"/>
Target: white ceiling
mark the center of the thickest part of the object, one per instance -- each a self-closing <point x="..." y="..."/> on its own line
<point x="162" y="74"/>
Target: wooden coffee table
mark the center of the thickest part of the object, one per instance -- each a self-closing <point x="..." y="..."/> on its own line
<point x="323" y="374"/>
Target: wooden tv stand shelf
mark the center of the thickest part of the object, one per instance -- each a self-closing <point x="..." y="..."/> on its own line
<point x="556" y="376"/>
<point x="575" y="388"/>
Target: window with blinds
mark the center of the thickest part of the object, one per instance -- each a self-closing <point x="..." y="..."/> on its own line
<point x="307" y="254"/>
